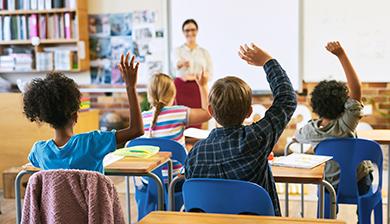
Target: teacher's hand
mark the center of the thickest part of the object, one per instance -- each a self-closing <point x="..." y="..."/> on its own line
<point x="183" y="64"/>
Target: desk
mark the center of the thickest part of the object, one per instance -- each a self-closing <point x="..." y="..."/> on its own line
<point x="382" y="137"/>
<point x="201" y="218"/>
<point x="307" y="176"/>
<point x="128" y="166"/>
<point x="286" y="175"/>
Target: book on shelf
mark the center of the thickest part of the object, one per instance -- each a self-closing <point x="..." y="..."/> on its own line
<point x="11" y="5"/>
<point x="16" y="62"/>
<point x="25" y="27"/>
<point x="44" y="61"/>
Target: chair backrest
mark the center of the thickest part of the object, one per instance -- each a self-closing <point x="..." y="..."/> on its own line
<point x="349" y="153"/>
<point x="226" y="196"/>
<point x="52" y="195"/>
<point x="179" y="153"/>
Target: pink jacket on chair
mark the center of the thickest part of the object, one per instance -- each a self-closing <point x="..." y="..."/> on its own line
<point x="71" y="196"/>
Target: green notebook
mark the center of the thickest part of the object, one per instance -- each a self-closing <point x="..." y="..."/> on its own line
<point x="141" y="151"/>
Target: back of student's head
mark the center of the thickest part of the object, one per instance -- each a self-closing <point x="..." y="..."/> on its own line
<point x="328" y="99"/>
<point x="161" y="92"/>
<point x="230" y="99"/>
<point x="54" y="99"/>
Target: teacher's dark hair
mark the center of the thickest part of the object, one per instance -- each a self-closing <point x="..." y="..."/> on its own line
<point x="188" y="21"/>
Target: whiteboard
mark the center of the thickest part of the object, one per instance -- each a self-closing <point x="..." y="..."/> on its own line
<point x="363" y="28"/>
<point x="225" y="24"/>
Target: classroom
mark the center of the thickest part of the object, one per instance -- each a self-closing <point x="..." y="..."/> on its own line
<point x="194" y="111"/>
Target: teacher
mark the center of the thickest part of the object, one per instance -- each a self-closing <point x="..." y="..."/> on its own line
<point x="191" y="61"/>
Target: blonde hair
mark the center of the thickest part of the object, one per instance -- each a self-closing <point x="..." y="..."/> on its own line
<point x="230" y="99"/>
<point x="161" y="91"/>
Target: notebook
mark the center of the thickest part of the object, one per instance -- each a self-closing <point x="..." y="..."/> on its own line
<point x="141" y="151"/>
<point x="196" y="133"/>
<point x="300" y="160"/>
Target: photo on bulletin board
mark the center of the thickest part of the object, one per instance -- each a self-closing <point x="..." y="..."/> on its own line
<point x="114" y="34"/>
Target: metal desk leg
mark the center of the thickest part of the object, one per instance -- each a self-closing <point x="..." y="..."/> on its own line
<point x="321" y="201"/>
<point x="302" y="192"/>
<point x="171" y="192"/>
<point x="18" y="199"/>
<point x="286" y="200"/>
<point x="170" y="170"/>
<point x="128" y="204"/>
<point x="332" y="197"/>
<point x="160" y="191"/>
<point x="388" y="185"/>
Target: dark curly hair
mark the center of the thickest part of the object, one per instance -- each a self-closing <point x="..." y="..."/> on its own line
<point x="53" y="100"/>
<point x="328" y="99"/>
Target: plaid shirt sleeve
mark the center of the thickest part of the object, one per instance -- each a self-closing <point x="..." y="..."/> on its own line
<point x="279" y="114"/>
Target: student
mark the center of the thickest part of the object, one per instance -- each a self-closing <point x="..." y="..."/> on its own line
<point x="167" y="121"/>
<point x="339" y="109"/>
<point x="56" y="100"/>
<point x="236" y="151"/>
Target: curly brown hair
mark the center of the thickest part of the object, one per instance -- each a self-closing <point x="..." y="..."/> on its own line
<point x="328" y="99"/>
<point x="54" y="100"/>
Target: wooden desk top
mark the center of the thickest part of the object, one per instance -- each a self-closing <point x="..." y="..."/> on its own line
<point x="297" y="175"/>
<point x="203" y="218"/>
<point x="382" y="136"/>
<point x="137" y="165"/>
<point x="128" y="164"/>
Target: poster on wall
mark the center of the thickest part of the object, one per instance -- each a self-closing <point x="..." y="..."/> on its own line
<point x="114" y="34"/>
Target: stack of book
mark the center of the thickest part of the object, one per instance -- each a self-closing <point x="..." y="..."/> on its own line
<point x="24" y="27"/>
<point x="44" y="61"/>
<point x="36" y="4"/>
<point x="64" y="59"/>
<point x="85" y="103"/>
<point x="16" y="62"/>
<point x="7" y="63"/>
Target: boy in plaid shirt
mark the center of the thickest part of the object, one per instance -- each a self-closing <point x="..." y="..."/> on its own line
<point x="240" y="152"/>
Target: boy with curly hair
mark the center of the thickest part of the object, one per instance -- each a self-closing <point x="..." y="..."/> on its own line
<point x="56" y="100"/>
<point x="339" y="108"/>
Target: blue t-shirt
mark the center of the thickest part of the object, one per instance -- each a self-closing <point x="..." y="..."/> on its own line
<point x="83" y="151"/>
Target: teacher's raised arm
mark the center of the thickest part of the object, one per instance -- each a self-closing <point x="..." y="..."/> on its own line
<point x="191" y="61"/>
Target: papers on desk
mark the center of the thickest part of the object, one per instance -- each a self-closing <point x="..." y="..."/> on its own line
<point x="111" y="158"/>
<point x="299" y="160"/>
<point x="141" y="151"/>
<point x="196" y="133"/>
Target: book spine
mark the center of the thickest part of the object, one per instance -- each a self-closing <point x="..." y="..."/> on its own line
<point x="68" y="34"/>
<point x="48" y="4"/>
<point x="41" y="4"/>
<point x="34" y="4"/>
<point x="33" y="25"/>
<point x="42" y="27"/>
<point x="7" y="28"/>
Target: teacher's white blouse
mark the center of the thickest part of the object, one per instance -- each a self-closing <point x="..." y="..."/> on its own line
<point x="199" y="58"/>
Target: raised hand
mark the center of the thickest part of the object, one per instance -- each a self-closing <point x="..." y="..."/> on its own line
<point x="128" y="70"/>
<point x="335" y="48"/>
<point x="253" y="55"/>
<point x="202" y="78"/>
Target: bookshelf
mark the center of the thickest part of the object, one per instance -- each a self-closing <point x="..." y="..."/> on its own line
<point x="37" y="36"/>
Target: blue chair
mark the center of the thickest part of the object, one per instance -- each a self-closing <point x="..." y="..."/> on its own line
<point x="226" y="196"/>
<point x="349" y="153"/>
<point x="146" y="197"/>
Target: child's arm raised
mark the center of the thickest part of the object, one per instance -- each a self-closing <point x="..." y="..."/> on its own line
<point x="129" y="71"/>
<point x="201" y="115"/>
<point x="279" y="114"/>
<point x="354" y="84"/>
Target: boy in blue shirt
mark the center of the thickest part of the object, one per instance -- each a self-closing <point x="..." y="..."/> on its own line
<point x="56" y="100"/>
<point x="240" y="152"/>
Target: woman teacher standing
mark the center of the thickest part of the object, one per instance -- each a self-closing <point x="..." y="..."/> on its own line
<point x="191" y="61"/>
